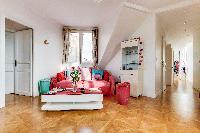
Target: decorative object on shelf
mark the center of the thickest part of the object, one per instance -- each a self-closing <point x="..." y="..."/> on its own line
<point x="75" y="73"/>
<point x="132" y="65"/>
<point x="46" y="42"/>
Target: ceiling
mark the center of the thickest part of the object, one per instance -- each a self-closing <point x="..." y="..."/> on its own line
<point x="179" y="24"/>
<point x="86" y="12"/>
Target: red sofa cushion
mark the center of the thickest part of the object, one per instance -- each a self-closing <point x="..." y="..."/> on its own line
<point x="60" y="76"/>
<point x="53" y="82"/>
<point x="106" y="75"/>
<point x="64" y="84"/>
<point x="96" y="84"/>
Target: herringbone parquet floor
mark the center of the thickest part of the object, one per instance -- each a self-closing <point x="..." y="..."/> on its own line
<point x="176" y="111"/>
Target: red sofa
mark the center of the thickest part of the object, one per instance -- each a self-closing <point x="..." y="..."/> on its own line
<point x="107" y="84"/>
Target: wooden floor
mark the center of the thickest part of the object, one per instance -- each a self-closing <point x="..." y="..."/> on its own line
<point x="176" y="111"/>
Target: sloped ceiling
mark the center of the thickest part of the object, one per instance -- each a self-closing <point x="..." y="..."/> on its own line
<point x="128" y="21"/>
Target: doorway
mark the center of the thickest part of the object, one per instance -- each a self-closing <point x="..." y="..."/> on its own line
<point x="18" y="58"/>
<point x="183" y="62"/>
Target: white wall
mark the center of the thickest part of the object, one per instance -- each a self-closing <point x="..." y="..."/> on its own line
<point x="2" y="61"/>
<point x="196" y="59"/>
<point x="159" y="36"/>
<point x="47" y="59"/>
<point x="147" y="32"/>
<point x="189" y="61"/>
<point x="114" y="66"/>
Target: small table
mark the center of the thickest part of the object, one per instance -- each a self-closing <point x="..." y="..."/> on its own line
<point x="65" y="101"/>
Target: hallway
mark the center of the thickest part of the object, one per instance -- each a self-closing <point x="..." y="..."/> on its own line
<point x="177" y="110"/>
<point x="183" y="100"/>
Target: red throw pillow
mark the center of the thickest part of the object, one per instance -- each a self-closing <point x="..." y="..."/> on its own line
<point x="60" y="76"/>
<point x="53" y="82"/>
<point x="106" y="75"/>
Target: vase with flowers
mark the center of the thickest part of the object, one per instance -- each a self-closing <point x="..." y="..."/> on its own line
<point x="75" y="75"/>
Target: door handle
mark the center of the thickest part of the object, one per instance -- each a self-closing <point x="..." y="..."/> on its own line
<point x="15" y="63"/>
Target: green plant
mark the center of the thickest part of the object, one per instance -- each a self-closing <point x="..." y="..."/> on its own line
<point x="75" y="75"/>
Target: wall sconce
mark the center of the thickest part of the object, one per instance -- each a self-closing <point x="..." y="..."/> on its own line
<point x="46" y="42"/>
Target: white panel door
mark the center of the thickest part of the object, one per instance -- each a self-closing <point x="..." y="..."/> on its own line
<point x="23" y="52"/>
<point x="169" y="68"/>
<point x="9" y="59"/>
<point x="163" y="63"/>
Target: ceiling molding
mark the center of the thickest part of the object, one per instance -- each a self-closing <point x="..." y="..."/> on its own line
<point x="176" y="6"/>
<point x="136" y="7"/>
<point x="163" y="9"/>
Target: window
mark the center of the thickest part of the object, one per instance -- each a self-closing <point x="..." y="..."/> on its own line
<point x="80" y="51"/>
<point x="87" y="48"/>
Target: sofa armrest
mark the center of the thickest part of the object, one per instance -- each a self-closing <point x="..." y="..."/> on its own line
<point x="112" y="85"/>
